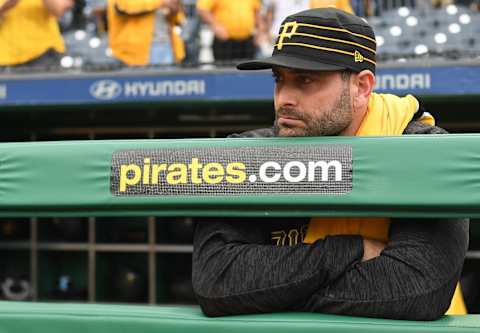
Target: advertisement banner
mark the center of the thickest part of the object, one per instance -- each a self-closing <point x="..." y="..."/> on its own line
<point x="215" y="86"/>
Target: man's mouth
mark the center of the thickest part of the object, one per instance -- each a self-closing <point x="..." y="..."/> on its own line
<point x="286" y="116"/>
<point x="289" y="118"/>
<point x="288" y="121"/>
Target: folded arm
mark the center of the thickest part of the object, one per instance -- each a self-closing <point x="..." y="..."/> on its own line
<point x="414" y="277"/>
<point x="234" y="273"/>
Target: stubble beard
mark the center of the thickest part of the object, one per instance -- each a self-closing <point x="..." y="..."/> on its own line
<point x="330" y="122"/>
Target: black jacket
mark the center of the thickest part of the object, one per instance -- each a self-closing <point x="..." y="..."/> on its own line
<point x="253" y="266"/>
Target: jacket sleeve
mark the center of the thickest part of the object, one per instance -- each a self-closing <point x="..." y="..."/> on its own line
<point x="417" y="127"/>
<point x="414" y="278"/>
<point x="257" y="133"/>
<point x="137" y="7"/>
<point x="234" y="273"/>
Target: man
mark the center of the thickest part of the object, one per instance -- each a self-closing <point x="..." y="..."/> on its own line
<point x="340" y="4"/>
<point x="143" y="32"/>
<point x="233" y="24"/>
<point x="324" y="65"/>
<point x="29" y="32"/>
<point x="273" y="13"/>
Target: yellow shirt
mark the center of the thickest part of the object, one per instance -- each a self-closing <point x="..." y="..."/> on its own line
<point x="27" y="31"/>
<point x="130" y="36"/>
<point x="386" y="115"/>
<point x="236" y="16"/>
<point x="340" y="4"/>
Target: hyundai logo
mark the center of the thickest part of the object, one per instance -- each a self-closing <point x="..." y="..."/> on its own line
<point x="106" y="89"/>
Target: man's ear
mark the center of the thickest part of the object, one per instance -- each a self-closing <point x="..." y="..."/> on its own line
<point x="365" y="82"/>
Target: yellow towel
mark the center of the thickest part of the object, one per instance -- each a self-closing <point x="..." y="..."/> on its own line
<point x="386" y="115"/>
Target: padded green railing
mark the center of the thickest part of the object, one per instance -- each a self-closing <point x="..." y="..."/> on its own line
<point x="83" y="318"/>
<point x="395" y="176"/>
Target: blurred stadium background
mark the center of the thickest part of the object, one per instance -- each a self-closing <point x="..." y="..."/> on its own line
<point x="429" y="49"/>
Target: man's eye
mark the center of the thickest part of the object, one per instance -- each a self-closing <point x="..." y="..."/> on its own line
<point x="305" y="79"/>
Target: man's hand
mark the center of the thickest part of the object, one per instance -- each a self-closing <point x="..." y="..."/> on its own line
<point x="58" y="7"/>
<point x="372" y="248"/>
<point x="220" y="31"/>
<point x="172" y="7"/>
<point x="6" y="5"/>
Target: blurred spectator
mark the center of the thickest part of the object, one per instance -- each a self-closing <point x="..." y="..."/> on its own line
<point x="361" y="7"/>
<point x="340" y="4"/>
<point x="273" y="13"/>
<point x="472" y="4"/>
<point x="143" y="32"/>
<point x="74" y="18"/>
<point x="30" y="33"/>
<point x="441" y="3"/>
<point x="233" y="22"/>
<point x="96" y="12"/>
<point x="475" y="6"/>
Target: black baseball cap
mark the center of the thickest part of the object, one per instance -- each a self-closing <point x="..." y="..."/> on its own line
<point x="321" y="39"/>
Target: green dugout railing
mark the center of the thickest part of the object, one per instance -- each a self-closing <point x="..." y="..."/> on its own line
<point x="395" y="176"/>
<point x="82" y="318"/>
<point x="417" y="176"/>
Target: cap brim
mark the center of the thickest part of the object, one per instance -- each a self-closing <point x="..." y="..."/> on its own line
<point x="287" y="61"/>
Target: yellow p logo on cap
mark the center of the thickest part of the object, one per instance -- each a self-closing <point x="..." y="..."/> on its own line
<point x="288" y="30"/>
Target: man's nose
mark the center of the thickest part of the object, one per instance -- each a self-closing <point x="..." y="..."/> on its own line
<point x="287" y="96"/>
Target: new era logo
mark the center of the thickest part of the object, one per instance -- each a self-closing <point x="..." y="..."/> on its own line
<point x="358" y="57"/>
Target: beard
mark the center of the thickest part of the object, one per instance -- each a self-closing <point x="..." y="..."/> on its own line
<point x="321" y="122"/>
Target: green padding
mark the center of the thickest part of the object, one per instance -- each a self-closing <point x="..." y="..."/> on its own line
<point x="395" y="176"/>
<point x="83" y="318"/>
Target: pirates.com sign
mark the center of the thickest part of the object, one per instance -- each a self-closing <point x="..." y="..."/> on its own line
<point x="296" y="169"/>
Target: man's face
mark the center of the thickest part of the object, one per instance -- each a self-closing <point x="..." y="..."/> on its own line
<point x="311" y="103"/>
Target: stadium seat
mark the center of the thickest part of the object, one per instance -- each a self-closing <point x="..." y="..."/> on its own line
<point x="391" y="17"/>
<point x="100" y="55"/>
<point x="89" y="50"/>
<point x="440" y="17"/>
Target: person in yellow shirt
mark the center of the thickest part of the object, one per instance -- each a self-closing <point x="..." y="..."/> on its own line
<point x="234" y="24"/>
<point x="339" y="4"/>
<point x="146" y="32"/>
<point x="275" y="11"/>
<point x="29" y="31"/>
